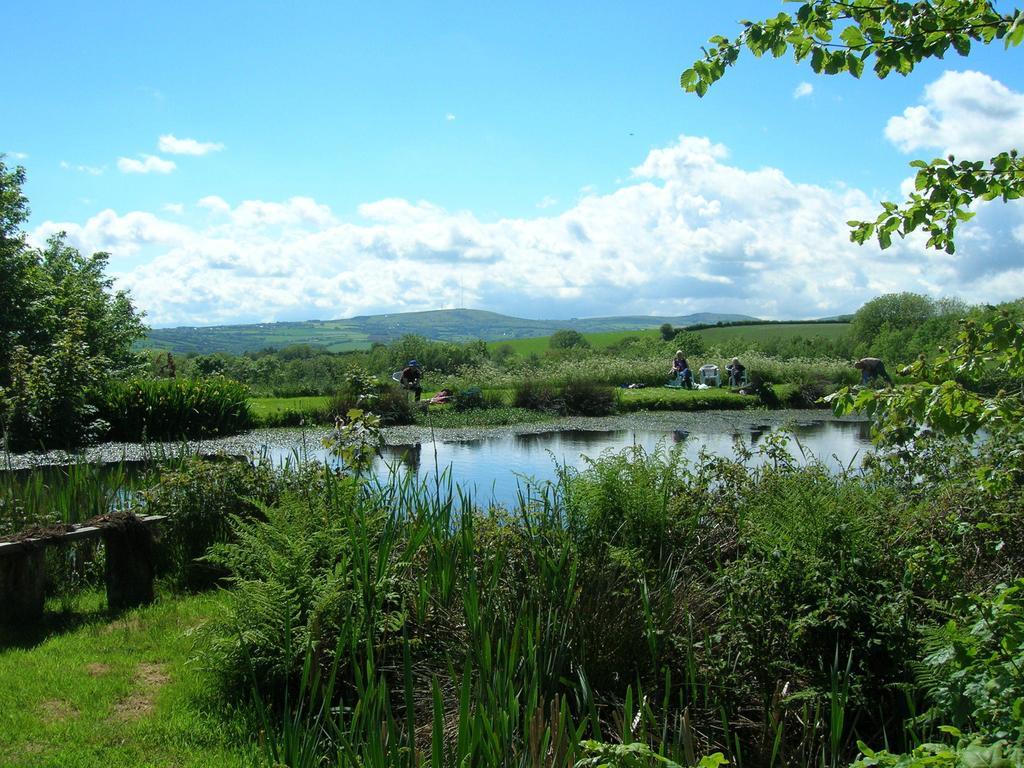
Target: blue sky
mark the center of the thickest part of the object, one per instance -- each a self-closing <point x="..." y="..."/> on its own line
<point x="263" y="161"/>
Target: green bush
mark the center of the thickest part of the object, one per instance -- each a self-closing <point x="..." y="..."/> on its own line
<point x="47" y="404"/>
<point x="384" y="398"/>
<point x="167" y="409"/>
<point x="582" y="397"/>
<point x="568" y="339"/>
<point x="537" y="396"/>
<point x="291" y="589"/>
<point x="200" y="497"/>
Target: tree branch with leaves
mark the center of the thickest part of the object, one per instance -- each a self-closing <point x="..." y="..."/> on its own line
<point x="890" y="36"/>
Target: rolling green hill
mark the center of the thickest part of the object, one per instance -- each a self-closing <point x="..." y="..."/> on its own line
<point x="361" y="332"/>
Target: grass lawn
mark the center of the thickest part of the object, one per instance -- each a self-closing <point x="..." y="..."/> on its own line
<point x="88" y="689"/>
<point x="669" y="399"/>
<point x="540" y="344"/>
<point x="264" y="407"/>
<point x="446" y="417"/>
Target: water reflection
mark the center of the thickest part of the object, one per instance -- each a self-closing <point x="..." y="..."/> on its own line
<point x="408" y="456"/>
<point x="492" y="468"/>
<point x="757" y="431"/>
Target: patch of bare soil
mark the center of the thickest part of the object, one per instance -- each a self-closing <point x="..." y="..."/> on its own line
<point x="97" y="669"/>
<point x="150" y="678"/>
<point x="153" y="675"/>
<point x="133" y="707"/>
<point x="57" y="711"/>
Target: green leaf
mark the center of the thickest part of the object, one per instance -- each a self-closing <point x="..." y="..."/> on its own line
<point x="853" y="37"/>
<point x="817" y="59"/>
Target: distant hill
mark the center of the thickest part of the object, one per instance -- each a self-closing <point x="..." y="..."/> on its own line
<point x="361" y="332"/>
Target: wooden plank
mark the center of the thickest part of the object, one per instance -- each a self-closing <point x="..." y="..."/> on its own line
<point x="77" y="532"/>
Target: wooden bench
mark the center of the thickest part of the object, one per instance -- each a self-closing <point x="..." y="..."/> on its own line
<point x="128" y="572"/>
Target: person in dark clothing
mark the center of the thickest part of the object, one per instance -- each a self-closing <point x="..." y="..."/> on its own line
<point x="410" y="378"/>
<point x="736" y="370"/>
<point x="870" y="369"/>
<point x="681" y="370"/>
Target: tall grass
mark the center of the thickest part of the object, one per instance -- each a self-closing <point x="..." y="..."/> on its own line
<point x="685" y="608"/>
<point x="62" y="494"/>
<point x="158" y="409"/>
<point x="600" y="368"/>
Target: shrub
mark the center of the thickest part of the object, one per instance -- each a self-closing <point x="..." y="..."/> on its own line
<point x="159" y="409"/>
<point x="200" y="497"/>
<point x="582" y="397"/>
<point x="47" y="403"/>
<point x="537" y="396"/>
<point x="972" y="670"/>
<point x="384" y="398"/>
<point x="568" y="339"/>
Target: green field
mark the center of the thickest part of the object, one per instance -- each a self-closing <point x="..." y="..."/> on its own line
<point x="540" y="344"/>
<point x="724" y="334"/>
<point x="774" y="330"/>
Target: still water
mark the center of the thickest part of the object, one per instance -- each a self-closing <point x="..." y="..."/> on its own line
<point x="494" y="468"/>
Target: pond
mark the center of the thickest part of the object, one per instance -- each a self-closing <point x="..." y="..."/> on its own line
<point x="491" y="463"/>
<point x="495" y="465"/>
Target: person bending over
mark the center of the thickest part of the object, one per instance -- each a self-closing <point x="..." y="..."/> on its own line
<point x="870" y="369"/>
<point x="410" y="378"/>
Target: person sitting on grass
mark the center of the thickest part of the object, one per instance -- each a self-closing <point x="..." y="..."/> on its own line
<point x="410" y="378"/>
<point x="736" y="370"/>
<point x="870" y="369"/>
<point x="681" y="370"/>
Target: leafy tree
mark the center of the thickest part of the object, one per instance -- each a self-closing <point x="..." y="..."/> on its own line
<point x="893" y="36"/>
<point x="17" y="267"/>
<point x="568" y="339"/>
<point x="667" y="331"/>
<point x="63" y="329"/>
<point x="897" y="310"/>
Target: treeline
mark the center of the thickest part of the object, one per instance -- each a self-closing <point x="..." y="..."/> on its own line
<point x="741" y="323"/>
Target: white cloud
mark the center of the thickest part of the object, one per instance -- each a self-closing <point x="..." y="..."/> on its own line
<point x="120" y="235"/>
<point x="449" y="116"/>
<point x="804" y="89"/>
<point x="967" y="114"/>
<point x="547" y="201"/>
<point x="175" y="146"/>
<point x="19" y="155"/>
<point x="214" y="203"/>
<point x="176" y="208"/>
<point x="148" y="164"/>
<point x="91" y="170"/>
<point x="688" y="232"/>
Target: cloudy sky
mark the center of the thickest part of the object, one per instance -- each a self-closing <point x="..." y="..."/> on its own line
<point x="246" y="162"/>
